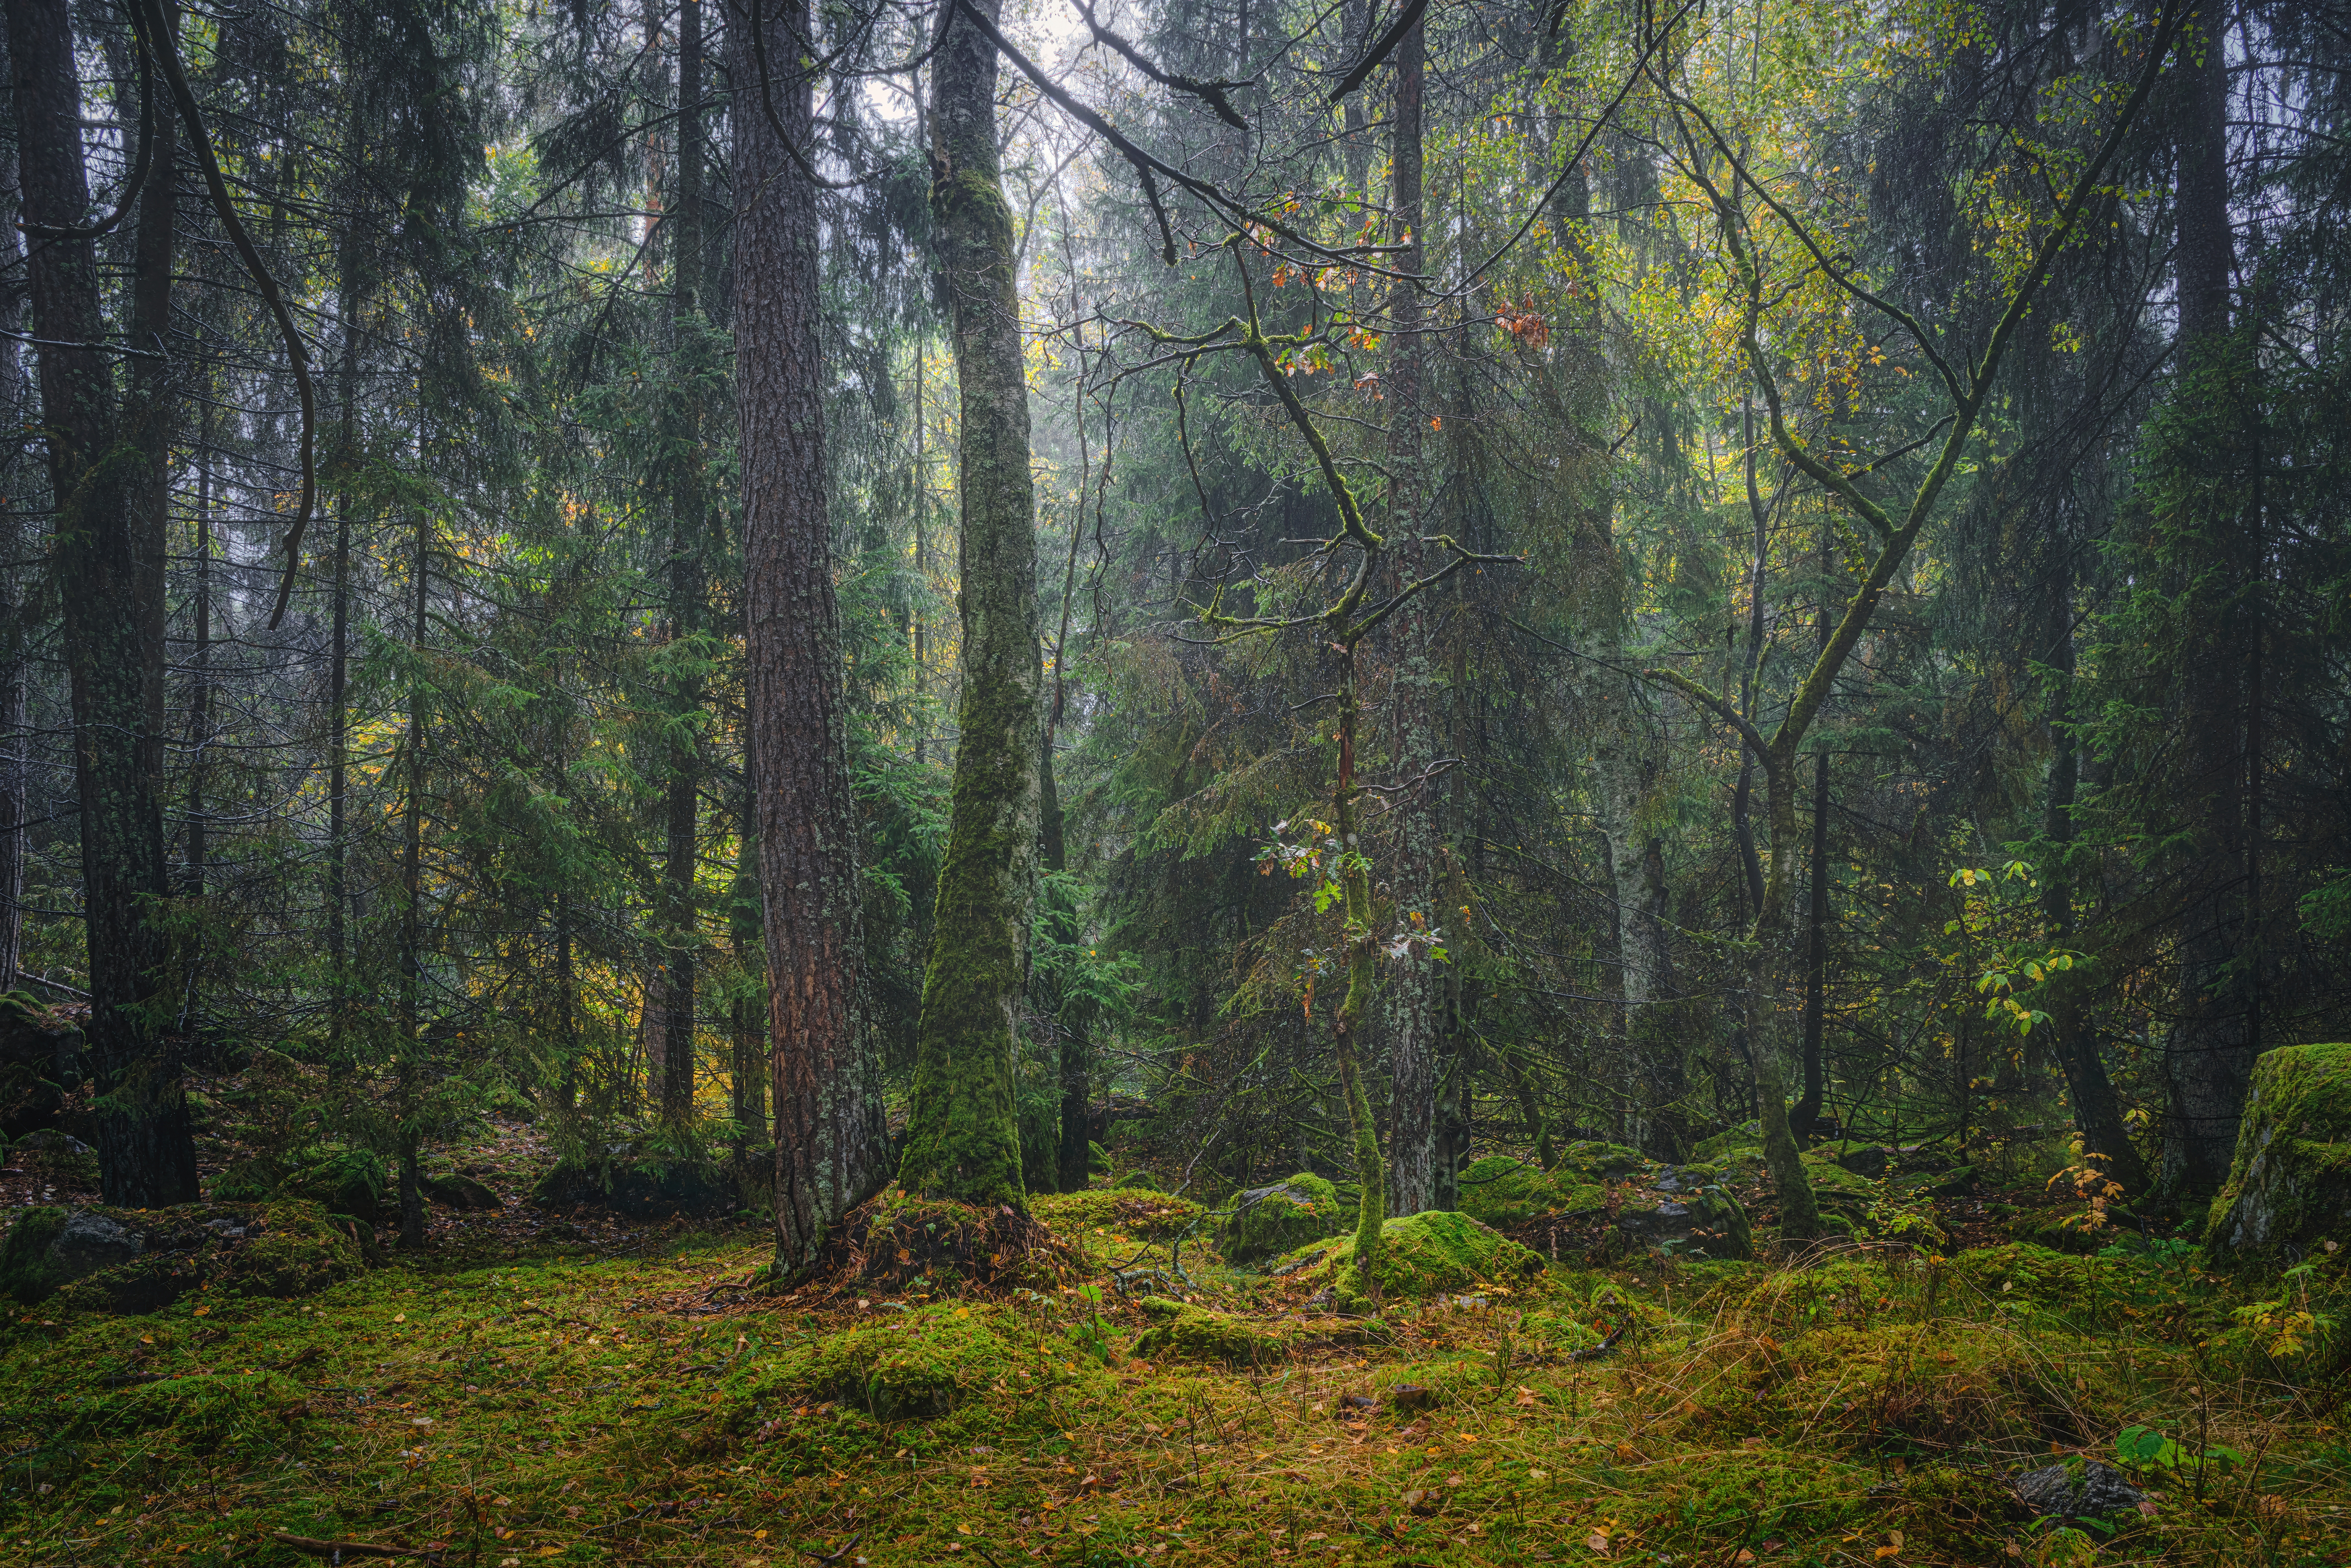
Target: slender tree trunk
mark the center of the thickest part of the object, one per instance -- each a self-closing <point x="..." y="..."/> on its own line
<point x="338" y="720"/>
<point x="1621" y="769"/>
<point x="747" y="1009"/>
<point x="1414" y="995"/>
<point x="831" y="1143"/>
<point x="683" y="459"/>
<point x="963" y="1137"/>
<point x="410" y="1067"/>
<point x="103" y="499"/>
<point x="2208" y="1053"/>
<point x="14" y="608"/>
<point x="1806" y="1117"/>
<point x="200" y="692"/>
<point x="2097" y="1111"/>
<point x="1362" y="979"/>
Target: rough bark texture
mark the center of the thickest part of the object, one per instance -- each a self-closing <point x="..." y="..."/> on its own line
<point x="824" y="1083"/>
<point x="963" y="1141"/>
<point x="100" y="480"/>
<point x="13" y="609"/>
<point x="1371" y="1212"/>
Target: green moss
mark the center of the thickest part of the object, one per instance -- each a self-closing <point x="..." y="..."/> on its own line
<point x="25" y="1270"/>
<point x="255" y="1410"/>
<point x="1141" y="1180"/>
<point x="350" y="1181"/>
<point x="1501" y="1190"/>
<point x="1426" y="1254"/>
<point x="1560" y="1331"/>
<point x="1449" y="1381"/>
<point x="299" y="1252"/>
<point x="1744" y="1141"/>
<point x="1963" y="1512"/>
<point x="910" y="1366"/>
<point x="2290" y="1184"/>
<point x="1195" y="1334"/>
<point x="1268" y="1222"/>
<point x="1595" y="1161"/>
<point x="1120" y="1210"/>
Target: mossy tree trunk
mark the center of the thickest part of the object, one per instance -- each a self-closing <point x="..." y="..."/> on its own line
<point x="103" y="482"/>
<point x="831" y="1140"/>
<point x="963" y="1137"/>
<point x="1362" y="980"/>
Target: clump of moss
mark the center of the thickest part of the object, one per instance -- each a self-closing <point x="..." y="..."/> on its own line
<point x="1503" y="1191"/>
<point x="1559" y="1331"/>
<point x="1696" y="1217"/>
<point x="1963" y="1512"/>
<point x="1148" y="1214"/>
<point x="1195" y="1334"/>
<point x="1939" y="1387"/>
<point x="642" y="1189"/>
<point x="1426" y="1254"/>
<point x="1270" y="1221"/>
<point x="914" y="1364"/>
<point x="2290" y="1184"/>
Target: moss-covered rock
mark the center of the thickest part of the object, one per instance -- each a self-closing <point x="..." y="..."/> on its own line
<point x="25" y="1271"/>
<point x="1123" y="1210"/>
<point x="1268" y="1222"/>
<point x="461" y="1191"/>
<point x="1502" y="1192"/>
<point x="1138" y="1179"/>
<point x="1423" y="1255"/>
<point x="1686" y="1212"/>
<point x="1557" y="1332"/>
<point x="1595" y="1161"/>
<point x="1195" y="1334"/>
<point x="121" y="1261"/>
<point x="350" y="1181"/>
<point x="2290" y="1185"/>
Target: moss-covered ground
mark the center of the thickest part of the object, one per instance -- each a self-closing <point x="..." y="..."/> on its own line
<point x="642" y="1401"/>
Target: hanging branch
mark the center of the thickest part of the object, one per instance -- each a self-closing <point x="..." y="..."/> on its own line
<point x="1210" y="93"/>
<point x="166" y="51"/>
<point x="1406" y="21"/>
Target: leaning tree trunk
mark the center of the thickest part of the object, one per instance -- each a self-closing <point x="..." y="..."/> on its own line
<point x="827" y="1103"/>
<point x="146" y="1151"/>
<point x="963" y="1140"/>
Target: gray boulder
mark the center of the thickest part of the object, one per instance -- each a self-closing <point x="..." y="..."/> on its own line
<point x="89" y="1242"/>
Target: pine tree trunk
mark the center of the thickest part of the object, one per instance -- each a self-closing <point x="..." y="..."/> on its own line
<point x="830" y="1142"/>
<point x="963" y="1139"/>
<point x="103" y="498"/>
<point x="1415" y="994"/>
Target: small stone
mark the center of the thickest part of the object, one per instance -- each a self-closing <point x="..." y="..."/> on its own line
<point x="2101" y="1493"/>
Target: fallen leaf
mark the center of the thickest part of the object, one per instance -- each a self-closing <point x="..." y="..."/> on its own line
<point x="1598" y="1542"/>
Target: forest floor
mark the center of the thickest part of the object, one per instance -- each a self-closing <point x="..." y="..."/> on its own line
<point x="536" y="1391"/>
